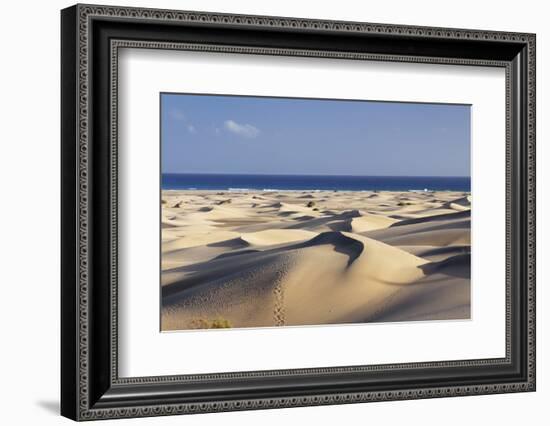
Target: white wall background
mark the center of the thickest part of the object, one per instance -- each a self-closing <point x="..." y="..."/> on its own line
<point x="29" y="211"/>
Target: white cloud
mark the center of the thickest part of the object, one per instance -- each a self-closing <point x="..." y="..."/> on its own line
<point x="245" y="130"/>
<point x="178" y="115"/>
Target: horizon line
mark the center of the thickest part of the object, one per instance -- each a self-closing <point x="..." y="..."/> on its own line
<point x="307" y="174"/>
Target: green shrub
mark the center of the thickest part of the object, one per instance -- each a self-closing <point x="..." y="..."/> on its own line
<point x="220" y="323"/>
<point x="201" y="323"/>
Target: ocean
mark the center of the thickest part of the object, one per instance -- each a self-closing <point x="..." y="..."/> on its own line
<point x="243" y="182"/>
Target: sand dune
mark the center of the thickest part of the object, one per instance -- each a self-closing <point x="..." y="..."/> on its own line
<point x="276" y="236"/>
<point x="371" y="222"/>
<point x="300" y="258"/>
<point x="438" y="230"/>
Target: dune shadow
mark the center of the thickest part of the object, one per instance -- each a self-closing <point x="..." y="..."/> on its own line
<point x="456" y="266"/>
<point x="435" y="218"/>
<point x="445" y="250"/>
<point x="333" y="221"/>
<point x="340" y="226"/>
<point x="287" y="213"/>
<point x="235" y="253"/>
<point x="234" y="243"/>
<point x="304" y="218"/>
<point x="342" y="244"/>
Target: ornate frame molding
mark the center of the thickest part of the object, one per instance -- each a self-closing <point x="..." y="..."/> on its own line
<point x="82" y="16"/>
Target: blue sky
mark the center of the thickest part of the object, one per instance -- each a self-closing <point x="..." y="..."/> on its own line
<point x="237" y="134"/>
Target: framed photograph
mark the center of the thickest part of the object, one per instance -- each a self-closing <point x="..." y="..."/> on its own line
<point x="263" y="212"/>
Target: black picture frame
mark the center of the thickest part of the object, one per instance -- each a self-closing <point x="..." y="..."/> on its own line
<point x="90" y="386"/>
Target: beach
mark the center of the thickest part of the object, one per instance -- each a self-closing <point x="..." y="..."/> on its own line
<point x="254" y="258"/>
